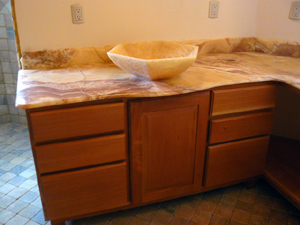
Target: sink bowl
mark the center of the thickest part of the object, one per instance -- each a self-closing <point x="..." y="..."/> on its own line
<point x="154" y="60"/>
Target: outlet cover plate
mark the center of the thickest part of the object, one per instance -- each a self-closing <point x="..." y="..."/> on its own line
<point x="77" y="14"/>
<point x="213" y="9"/>
<point x="295" y="11"/>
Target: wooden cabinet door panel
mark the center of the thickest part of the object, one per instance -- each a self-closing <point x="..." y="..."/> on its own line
<point x="235" y="161"/>
<point x="238" y="127"/>
<point x="168" y="140"/>
<point x="85" y="191"/>
<point x="169" y="148"/>
<point x="243" y="99"/>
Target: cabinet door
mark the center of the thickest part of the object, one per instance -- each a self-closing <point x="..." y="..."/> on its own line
<point x="168" y="138"/>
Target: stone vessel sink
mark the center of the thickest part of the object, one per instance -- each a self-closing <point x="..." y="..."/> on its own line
<point x="154" y="60"/>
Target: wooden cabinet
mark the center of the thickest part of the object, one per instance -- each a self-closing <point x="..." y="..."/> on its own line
<point x="168" y="138"/>
<point x="81" y="158"/>
<point x="178" y="145"/>
<point x="240" y="124"/>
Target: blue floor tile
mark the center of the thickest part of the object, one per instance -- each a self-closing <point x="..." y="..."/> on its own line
<point x="39" y="218"/>
<point x="29" y="197"/>
<point x="18" y="180"/>
<point x="18" y="169"/>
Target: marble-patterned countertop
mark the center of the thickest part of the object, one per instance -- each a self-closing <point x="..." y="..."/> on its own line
<point x="79" y="83"/>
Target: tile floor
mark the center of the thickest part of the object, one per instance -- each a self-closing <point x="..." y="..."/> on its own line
<point x="20" y="202"/>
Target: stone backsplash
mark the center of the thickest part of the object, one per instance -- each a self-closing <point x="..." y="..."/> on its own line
<point x="80" y="56"/>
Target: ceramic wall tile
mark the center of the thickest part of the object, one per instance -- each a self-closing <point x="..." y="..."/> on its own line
<point x="15" y="77"/>
<point x="3" y="100"/>
<point x="13" y="110"/>
<point x="5" y="10"/>
<point x="2" y="89"/>
<point x="4" y="1"/>
<point x="3" y="110"/>
<point x="12" y="45"/>
<point x="13" y="56"/>
<point x="8" y="78"/>
<point x="8" y="56"/>
<point x="8" y="21"/>
<point x="10" y="89"/>
<point x="3" y="44"/>
<point x="14" y="67"/>
<point x="10" y="32"/>
<point x="2" y="4"/>
<point x="7" y="5"/>
<point x="11" y="99"/>
<point x="2" y="21"/>
<point x="3" y="32"/>
<point x="4" y="56"/>
<point x="6" y="67"/>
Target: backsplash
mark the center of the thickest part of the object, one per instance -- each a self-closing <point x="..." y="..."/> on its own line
<point x="88" y="55"/>
<point x="8" y="68"/>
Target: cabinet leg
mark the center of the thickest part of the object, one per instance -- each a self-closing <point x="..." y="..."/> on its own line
<point x="58" y="222"/>
<point x="251" y="183"/>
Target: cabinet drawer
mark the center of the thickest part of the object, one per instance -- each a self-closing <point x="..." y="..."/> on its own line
<point x="238" y="127"/>
<point x="243" y="99"/>
<point x="68" y="155"/>
<point x="85" y="191"/>
<point x="77" y="121"/>
<point x="235" y="161"/>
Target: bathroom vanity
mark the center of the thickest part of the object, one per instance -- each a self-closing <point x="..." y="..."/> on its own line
<point x="111" y="144"/>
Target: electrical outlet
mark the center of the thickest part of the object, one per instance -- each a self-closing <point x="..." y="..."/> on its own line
<point x="77" y="13"/>
<point x="213" y="9"/>
<point x="295" y="11"/>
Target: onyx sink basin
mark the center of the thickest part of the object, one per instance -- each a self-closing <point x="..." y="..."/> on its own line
<point x="154" y="60"/>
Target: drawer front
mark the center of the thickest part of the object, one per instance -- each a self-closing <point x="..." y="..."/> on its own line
<point x="235" y="161"/>
<point x="238" y="127"/>
<point x="85" y="191"/>
<point x="75" y="154"/>
<point x="78" y="121"/>
<point x="243" y="99"/>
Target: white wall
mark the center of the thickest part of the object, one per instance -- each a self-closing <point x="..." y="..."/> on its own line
<point x="273" y="21"/>
<point x="47" y="24"/>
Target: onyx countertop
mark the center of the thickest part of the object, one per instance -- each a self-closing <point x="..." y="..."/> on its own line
<point x="47" y="86"/>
